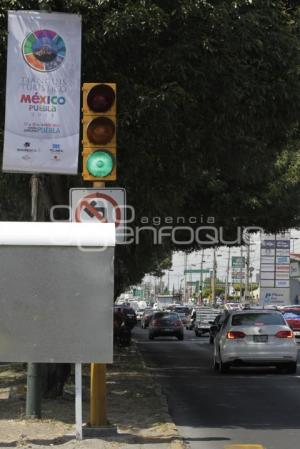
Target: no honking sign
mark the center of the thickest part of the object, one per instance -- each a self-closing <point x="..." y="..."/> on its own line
<point x="99" y="205"/>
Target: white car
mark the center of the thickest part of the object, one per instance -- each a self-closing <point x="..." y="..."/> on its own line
<point x="139" y="314"/>
<point x="255" y="338"/>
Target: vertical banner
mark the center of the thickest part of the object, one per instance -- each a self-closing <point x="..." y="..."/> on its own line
<point x="42" y="110"/>
<point x="275" y="269"/>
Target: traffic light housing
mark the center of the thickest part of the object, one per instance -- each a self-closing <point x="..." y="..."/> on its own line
<point x="99" y="132"/>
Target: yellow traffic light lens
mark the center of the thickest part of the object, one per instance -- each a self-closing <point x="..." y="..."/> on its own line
<point x="101" y="130"/>
<point x="100" y="163"/>
<point x="101" y="98"/>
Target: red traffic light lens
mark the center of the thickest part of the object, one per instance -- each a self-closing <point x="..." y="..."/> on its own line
<point x="101" y="130"/>
<point x="101" y="98"/>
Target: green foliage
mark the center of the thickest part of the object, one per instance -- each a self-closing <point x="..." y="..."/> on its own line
<point x="207" y="292"/>
<point x="251" y="287"/>
<point x="208" y="112"/>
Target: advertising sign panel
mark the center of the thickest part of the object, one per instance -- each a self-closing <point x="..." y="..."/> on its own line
<point x="276" y="296"/>
<point x="42" y="110"/>
<point x="282" y="260"/>
<point x="268" y="244"/>
<point x="274" y="269"/>
<point x="294" y="270"/>
<point x="268" y="275"/>
<point x="238" y="262"/>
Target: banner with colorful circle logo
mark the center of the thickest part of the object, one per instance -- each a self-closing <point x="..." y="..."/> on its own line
<point x="42" y="110"/>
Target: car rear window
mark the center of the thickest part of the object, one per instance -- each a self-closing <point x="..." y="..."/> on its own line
<point x="181" y="309"/>
<point x="165" y="315"/>
<point x="291" y="314"/>
<point x="257" y="319"/>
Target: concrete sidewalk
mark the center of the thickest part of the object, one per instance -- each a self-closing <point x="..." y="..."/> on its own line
<point x="136" y="406"/>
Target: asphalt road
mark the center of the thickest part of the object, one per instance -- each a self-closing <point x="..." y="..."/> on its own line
<point x="246" y="407"/>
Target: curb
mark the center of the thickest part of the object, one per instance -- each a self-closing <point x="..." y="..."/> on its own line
<point x="178" y="442"/>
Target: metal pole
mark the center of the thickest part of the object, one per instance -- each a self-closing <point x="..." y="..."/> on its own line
<point x="227" y="277"/>
<point x="98" y="416"/>
<point x="33" y="394"/>
<point x="78" y="400"/>
<point x="185" y="268"/>
<point x="247" y="271"/>
<point x="98" y="383"/>
<point x="213" y="286"/>
<point x="241" y="277"/>
<point x="201" y="276"/>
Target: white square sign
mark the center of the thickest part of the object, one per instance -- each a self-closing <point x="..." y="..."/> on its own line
<point x="100" y="205"/>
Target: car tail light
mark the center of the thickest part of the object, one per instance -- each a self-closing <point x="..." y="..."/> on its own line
<point x="155" y="323"/>
<point x="284" y="334"/>
<point x="234" y="335"/>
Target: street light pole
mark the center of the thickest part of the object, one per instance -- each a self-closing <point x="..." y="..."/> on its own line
<point x="227" y="277"/>
<point x="241" y="274"/>
<point x="169" y="280"/>
<point x="185" y="268"/>
<point x="247" y="271"/>
<point x="213" y="285"/>
<point x="201" y="276"/>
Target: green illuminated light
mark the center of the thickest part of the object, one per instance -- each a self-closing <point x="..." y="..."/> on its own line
<point x="100" y="163"/>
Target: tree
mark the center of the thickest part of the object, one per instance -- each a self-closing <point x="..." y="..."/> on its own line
<point x="202" y="96"/>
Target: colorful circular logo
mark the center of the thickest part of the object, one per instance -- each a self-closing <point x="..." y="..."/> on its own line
<point x="44" y="50"/>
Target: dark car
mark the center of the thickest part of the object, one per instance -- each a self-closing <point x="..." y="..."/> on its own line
<point x="128" y="313"/>
<point x="166" y="324"/>
<point x="146" y="318"/>
<point x="215" y="327"/>
<point x="183" y="312"/>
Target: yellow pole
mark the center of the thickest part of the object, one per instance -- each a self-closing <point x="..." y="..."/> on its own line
<point x="98" y="416"/>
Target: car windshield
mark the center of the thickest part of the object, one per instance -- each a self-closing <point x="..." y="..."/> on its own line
<point x="181" y="309"/>
<point x="165" y="315"/>
<point x="291" y="314"/>
<point x="257" y="319"/>
<point x="129" y="311"/>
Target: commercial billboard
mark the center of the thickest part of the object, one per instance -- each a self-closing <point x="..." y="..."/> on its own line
<point x="42" y="109"/>
<point x="275" y="268"/>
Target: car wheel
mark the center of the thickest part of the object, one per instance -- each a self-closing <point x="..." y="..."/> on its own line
<point x="215" y="364"/>
<point x="223" y="367"/>
<point x="180" y="337"/>
<point x="291" y="368"/>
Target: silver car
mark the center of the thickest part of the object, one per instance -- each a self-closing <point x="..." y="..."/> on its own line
<point x="257" y="338"/>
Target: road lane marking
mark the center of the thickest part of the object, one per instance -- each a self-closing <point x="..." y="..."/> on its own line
<point x="244" y="446"/>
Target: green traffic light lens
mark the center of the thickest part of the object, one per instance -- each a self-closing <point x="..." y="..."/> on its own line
<point x="100" y="163"/>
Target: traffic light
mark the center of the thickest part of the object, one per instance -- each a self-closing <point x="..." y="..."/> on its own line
<point x="99" y="132"/>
